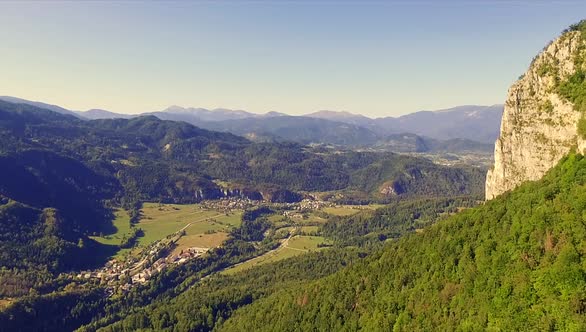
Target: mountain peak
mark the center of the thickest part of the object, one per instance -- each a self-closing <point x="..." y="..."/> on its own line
<point x="327" y="114"/>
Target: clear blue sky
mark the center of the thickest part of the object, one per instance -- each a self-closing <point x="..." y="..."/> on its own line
<point x="376" y="58"/>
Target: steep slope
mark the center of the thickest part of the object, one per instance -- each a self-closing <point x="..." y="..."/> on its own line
<point x="33" y="238"/>
<point x="515" y="263"/>
<point x="542" y="117"/>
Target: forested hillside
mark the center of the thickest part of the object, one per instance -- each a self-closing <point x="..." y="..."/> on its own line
<point x="211" y="302"/>
<point x="80" y="170"/>
<point x="516" y="263"/>
<point x="33" y="240"/>
<point x="62" y="177"/>
<point x="149" y="159"/>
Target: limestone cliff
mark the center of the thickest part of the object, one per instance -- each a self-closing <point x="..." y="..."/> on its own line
<point x="542" y="114"/>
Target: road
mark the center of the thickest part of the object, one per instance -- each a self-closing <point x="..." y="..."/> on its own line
<point x="141" y="263"/>
<point x="284" y="244"/>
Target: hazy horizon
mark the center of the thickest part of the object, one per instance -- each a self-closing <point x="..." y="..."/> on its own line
<point x="377" y="59"/>
<point x="243" y="110"/>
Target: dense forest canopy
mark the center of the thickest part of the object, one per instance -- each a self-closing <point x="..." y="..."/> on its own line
<point x="62" y="177"/>
<point x="516" y="263"/>
<point x="171" y="161"/>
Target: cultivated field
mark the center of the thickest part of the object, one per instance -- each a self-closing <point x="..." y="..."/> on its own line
<point x="203" y="227"/>
<point x="313" y="218"/>
<point x="309" y="229"/>
<point x="160" y="220"/>
<point x="306" y="243"/>
<point x="347" y="210"/>
<point x="297" y="245"/>
<point x="200" y="240"/>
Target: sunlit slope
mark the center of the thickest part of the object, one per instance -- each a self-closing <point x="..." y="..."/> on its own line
<point x="516" y="263"/>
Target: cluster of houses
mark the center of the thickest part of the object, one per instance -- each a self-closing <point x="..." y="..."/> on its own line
<point x="155" y="258"/>
<point x="308" y="204"/>
<point x="126" y="274"/>
<point x="163" y="262"/>
<point x="228" y="204"/>
<point x="112" y="272"/>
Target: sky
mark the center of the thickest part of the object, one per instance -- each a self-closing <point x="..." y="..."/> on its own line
<point x="377" y="58"/>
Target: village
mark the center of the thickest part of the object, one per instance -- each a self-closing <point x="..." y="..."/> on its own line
<point x="229" y="204"/>
<point x="122" y="275"/>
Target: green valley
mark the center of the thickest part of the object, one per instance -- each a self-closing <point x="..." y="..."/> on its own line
<point x="336" y="200"/>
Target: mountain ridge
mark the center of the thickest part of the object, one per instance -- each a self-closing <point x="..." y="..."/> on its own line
<point x="444" y="124"/>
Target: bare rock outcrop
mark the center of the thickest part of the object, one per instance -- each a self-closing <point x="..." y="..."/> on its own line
<point x="542" y="114"/>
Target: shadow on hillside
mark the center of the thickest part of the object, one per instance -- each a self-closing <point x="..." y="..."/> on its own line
<point x="106" y="227"/>
<point x="97" y="254"/>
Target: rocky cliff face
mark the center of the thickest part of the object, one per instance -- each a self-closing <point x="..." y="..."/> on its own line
<point x="542" y="114"/>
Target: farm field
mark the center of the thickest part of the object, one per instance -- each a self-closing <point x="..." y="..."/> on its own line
<point x="348" y="210"/>
<point x="341" y="210"/>
<point x="312" y="218"/>
<point x="277" y="219"/>
<point x="200" y="240"/>
<point x="306" y="243"/>
<point x="203" y="227"/>
<point x="284" y="231"/>
<point x="297" y="245"/>
<point x="161" y="220"/>
<point x="309" y="229"/>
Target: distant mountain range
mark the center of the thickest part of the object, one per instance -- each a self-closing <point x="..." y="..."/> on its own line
<point x="473" y="122"/>
<point x="464" y="128"/>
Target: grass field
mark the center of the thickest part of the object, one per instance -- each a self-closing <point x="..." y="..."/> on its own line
<point x="348" y="210"/>
<point x="341" y="210"/>
<point x="374" y="206"/>
<point x="264" y="259"/>
<point x="284" y="231"/>
<point x="161" y="220"/>
<point x="309" y="229"/>
<point x="313" y="218"/>
<point x="200" y="240"/>
<point x="306" y="243"/>
<point x="297" y="245"/>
